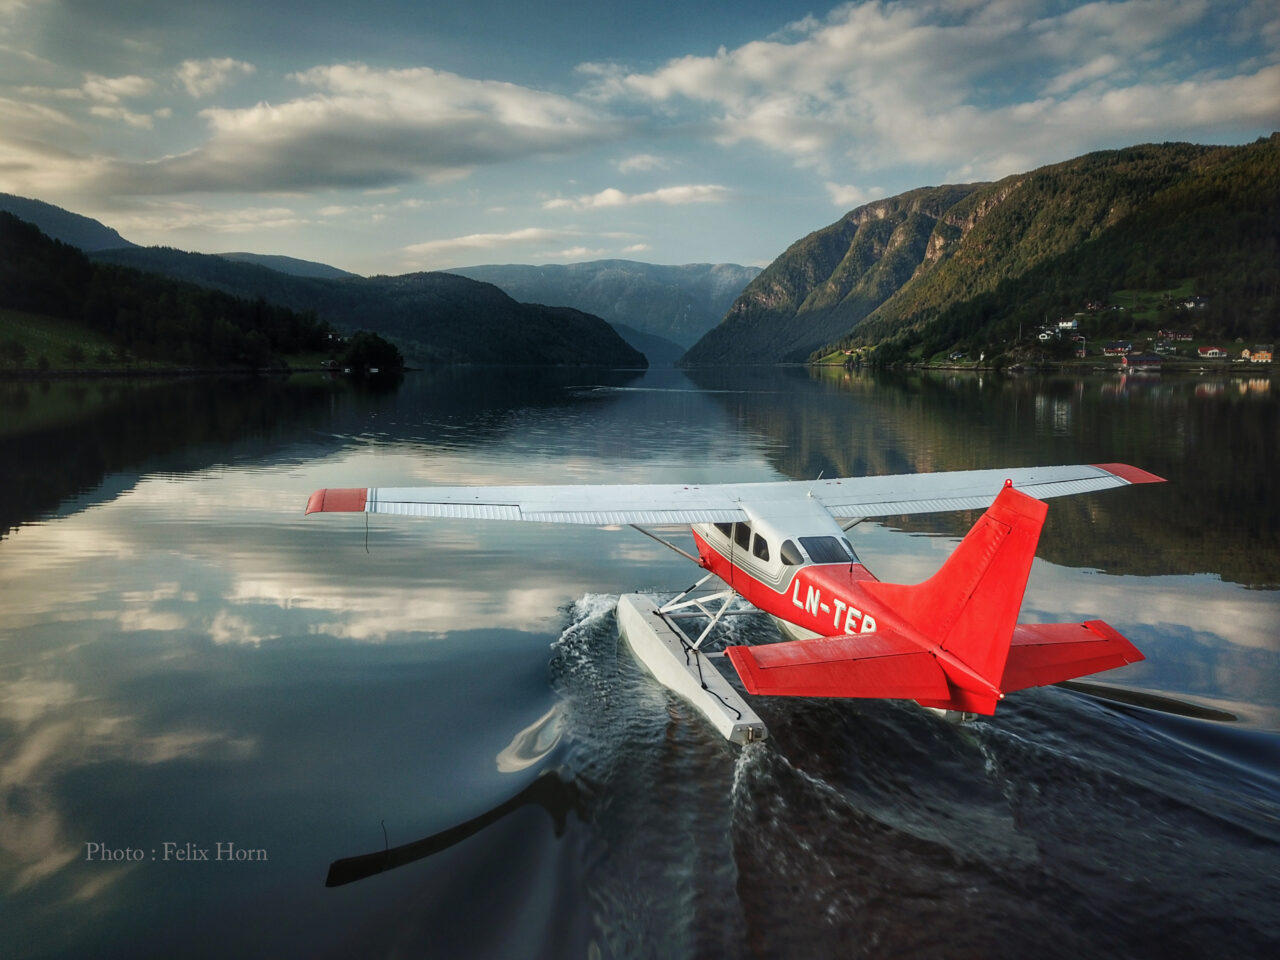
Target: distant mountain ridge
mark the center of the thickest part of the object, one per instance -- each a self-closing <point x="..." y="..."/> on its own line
<point x="967" y="264"/>
<point x="659" y="351"/>
<point x="291" y="265"/>
<point x="678" y="303"/>
<point x="79" y="231"/>
<point x="434" y="317"/>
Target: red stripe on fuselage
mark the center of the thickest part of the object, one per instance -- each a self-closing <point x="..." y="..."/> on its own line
<point x="826" y="598"/>
<point x="840" y="587"/>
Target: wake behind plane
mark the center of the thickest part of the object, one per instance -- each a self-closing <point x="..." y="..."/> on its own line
<point x="951" y="644"/>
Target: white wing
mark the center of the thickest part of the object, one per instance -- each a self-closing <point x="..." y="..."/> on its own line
<point x="659" y="504"/>
<point x="967" y="489"/>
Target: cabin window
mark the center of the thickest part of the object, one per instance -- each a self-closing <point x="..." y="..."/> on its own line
<point x="725" y="528"/>
<point x="742" y="535"/>
<point x="791" y="554"/>
<point x="827" y="549"/>
<point x="760" y="547"/>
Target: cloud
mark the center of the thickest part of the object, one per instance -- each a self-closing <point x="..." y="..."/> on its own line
<point x="954" y="82"/>
<point x="364" y="128"/>
<point x="572" y="253"/>
<point x="847" y="195"/>
<point x="612" y="197"/>
<point x="143" y="121"/>
<point x="115" y="89"/>
<point x="531" y="244"/>
<point x="203" y="77"/>
<point x="12" y="7"/>
<point x="642" y="163"/>
<point x="166" y="219"/>
<point x="1095" y="69"/>
<point x="448" y="250"/>
<point x="105" y="97"/>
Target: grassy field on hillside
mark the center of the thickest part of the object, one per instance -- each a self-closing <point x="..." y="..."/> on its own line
<point x="68" y="345"/>
<point x="53" y="339"/>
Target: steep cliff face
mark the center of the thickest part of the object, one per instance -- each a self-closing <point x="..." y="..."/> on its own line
<point x="828" y="281"/>
<point x="898" y="264"/>
<point x="1016" y="225"/>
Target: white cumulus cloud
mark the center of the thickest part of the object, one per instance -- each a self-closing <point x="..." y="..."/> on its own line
<point x="642" y="163"/>
<point x="976" y="83"/>
<point x="483" y="241"/>
<point x="203" y="77"/>
<point x="848" y="195"/>
<point x="115" y="89"/>
<point x="613" y="197"/>
<point x="365" y="128"/>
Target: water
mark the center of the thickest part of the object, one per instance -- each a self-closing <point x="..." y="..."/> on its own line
<point x="437" y="716"/>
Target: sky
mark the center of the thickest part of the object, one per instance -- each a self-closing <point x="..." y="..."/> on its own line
<point x="397" y="135"/>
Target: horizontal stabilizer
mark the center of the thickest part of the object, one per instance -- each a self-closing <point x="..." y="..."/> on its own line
<point x="1045" y="653"/>
<point x="868" y="665"/>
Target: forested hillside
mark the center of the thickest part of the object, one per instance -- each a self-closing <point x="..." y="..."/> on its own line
<point x="83" y="232"/>
<point x="830" y="280"/>
<point x="434" y="317"/>
<point x="964" y="268"/>
<point x="1203" y="219"/>
<point x="145" y="315"/>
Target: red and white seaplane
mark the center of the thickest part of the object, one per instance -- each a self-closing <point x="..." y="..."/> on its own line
<point x="951" y="643"/>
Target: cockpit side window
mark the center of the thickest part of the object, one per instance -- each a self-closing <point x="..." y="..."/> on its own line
<point x="760" y="547"/>
<point x="742" y="535"/>
<point x="791" y="554"/>
<point x="725" y="528"/>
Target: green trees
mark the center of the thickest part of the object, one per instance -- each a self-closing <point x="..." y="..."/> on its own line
<point x="147" y="315"/>
<point x="367" y="354"/>
<point x="1154" y="218"/>
<point x="14" y="352"/>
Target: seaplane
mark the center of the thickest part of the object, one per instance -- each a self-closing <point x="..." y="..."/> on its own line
<point x="951" y="644"/>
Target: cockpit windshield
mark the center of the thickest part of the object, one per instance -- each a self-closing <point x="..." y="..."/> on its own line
<point x="828" y="549"/>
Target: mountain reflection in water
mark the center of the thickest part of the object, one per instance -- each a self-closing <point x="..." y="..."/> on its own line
<point x="450" y="720"/>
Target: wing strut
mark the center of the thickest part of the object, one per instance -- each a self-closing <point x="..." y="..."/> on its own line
<point x="666" y="543"/>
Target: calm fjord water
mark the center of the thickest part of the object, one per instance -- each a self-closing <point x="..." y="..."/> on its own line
<point x="189" y="668"/>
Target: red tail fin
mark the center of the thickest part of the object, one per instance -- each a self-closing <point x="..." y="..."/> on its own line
<point x="970" y="607"/>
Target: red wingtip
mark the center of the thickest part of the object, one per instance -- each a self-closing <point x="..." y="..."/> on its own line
<point x="338" y="501"/>
<point x="1129" y="474"/>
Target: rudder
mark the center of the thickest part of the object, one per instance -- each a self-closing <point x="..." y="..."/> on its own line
<point x="969" y="608"/>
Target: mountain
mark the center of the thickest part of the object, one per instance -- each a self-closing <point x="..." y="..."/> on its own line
<point x="678" y="303"/>
<point x="143" y="315"/>
<point x="972" y="264"/>
<point x="828" y="281"/>
<point x="290" y="265"/>
<point x="72" y="228"/>
<point x="659" y="351"/>
<point x="433" y="317"/>
<point x="447" y="318"/>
